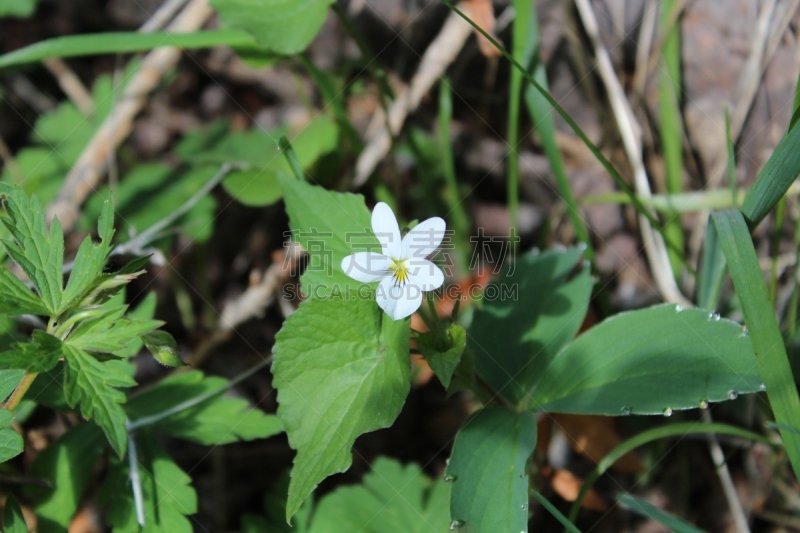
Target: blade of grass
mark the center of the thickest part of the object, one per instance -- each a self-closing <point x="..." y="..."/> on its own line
<point x="616" y="176"/>
<point x="648" y="510"/>
<point x="731" y="158"/>
<point x="522" y="48"/>
<point x="457" y="214"/>
<point x="780" y="214"/>
<point x="712" y="270"/>
<point x="671" y="131"/>
<point x="558" y="515"/>
<point x="759" y="315"/>
<point x="774" y="179"/>
<point x="542" y="118"/>
<point x="679" y="430"/>
<point x="126" y="42"/>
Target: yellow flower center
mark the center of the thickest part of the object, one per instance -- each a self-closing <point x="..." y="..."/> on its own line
<point x="399" y="270"/>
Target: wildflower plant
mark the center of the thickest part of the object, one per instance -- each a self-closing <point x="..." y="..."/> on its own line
<point x="519" y="355"/>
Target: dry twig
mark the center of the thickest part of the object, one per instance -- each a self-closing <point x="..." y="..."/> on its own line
<point x="87" y="171"/>
<point x="654" y="244"/>
<point x="439" y="55"/>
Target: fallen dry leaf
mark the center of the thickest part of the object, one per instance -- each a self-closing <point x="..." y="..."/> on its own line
<point x="481" y="12"/>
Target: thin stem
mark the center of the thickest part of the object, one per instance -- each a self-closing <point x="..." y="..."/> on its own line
<point x="188" y="404"/>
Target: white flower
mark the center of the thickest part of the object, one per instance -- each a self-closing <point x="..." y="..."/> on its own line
<point x="403" y="269"/>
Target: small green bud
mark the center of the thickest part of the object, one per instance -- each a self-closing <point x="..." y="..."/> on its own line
<point x="163" y="347"/>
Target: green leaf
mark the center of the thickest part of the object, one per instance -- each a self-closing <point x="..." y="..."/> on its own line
<point x="330" y="226"/>
<point x="90" y="260"/>
<point x="489" y="471"/>
<point x="40" y="253"/>
<point x="11" y="442"/>
<point x="68" y="464"/>
<point x="18" y="9"/>
<point x="144" y="311"/>
<point x="93" y="384"/>
<point x="9" y="379"/>
<point x="259" y="185"/>
<point x="392" y="497"/>
<point x="356" y="361"/>
<point x="538" y="310"/>
<point x="218" y="420"/>
<point x="163" y="347"/>
<point x="109" y="331"/>
<point x="774" y="179"/>
<point x="126" y="42"/>
<point x="39" y="355"/>
<point x="151" y="191"/>
<point x="648" y="510"/>
<point x="16" y="298"/>
<point x="285" y="26"/>
<point x="651" y="361"/>
<point x="443" y="360"/>
<point x="765" y="334"/>
<point x="168" y="496"/>
<point x="13" y="520"/>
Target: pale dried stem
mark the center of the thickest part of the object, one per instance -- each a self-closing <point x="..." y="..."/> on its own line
<point x="439" y="55"/>
<point x="630" y="131"/>
<point x="70" y="84"/>
<point x="93" y="162"/>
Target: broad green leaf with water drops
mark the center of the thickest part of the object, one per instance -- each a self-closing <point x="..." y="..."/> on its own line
<point x="342" y="369"/>
<point x="651" y="361"/>
<point x="489" y="471"/>
<point x="537" y="310"/>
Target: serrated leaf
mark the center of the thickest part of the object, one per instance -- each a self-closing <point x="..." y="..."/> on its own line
<point x="93" y="384"/>
<point x="110" y="331"/>
<point x="330" y="226"/>
<point x="67" y="463"/>
<point x="39" y="355"/>
<point x="16" y="298"/>
<point x="392" y="497"/>
<point x="217" y="420"/>
<point x="356" y="362"/>
<point x="489" y="471"/>
<point x="40" y="253"/>
<point x="164" y="348"/>
<point x="144" y="311"/>
<point x="166" y="490"/>
<point x="285" y="26"/>
<point x="650" y="361"/>
<point x="515" y="336"/>
<point x="90" y="260"/>
<point x="443" y="360"/>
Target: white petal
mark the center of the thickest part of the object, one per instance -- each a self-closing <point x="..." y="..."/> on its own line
<point x="425" y="275"/>
<point x="423" y="240"/>
<point x="366" y="266"/>
<point x="384" y="225"/>
<point x="397" y="301"/>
